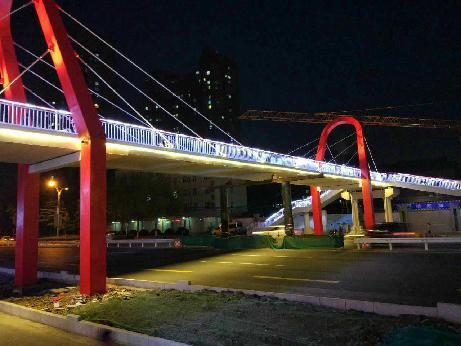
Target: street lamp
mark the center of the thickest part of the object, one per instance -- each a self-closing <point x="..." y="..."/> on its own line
<point x="53" y="184"/>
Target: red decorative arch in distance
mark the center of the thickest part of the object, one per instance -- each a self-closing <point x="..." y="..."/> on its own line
<point x="367" y="194"/>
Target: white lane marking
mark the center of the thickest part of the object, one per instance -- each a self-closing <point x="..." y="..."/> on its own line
<point x="254" y="264"/>
<point x="172" y="270"/>
<point x="225" y="262"/>
<point x="295" y="279"/>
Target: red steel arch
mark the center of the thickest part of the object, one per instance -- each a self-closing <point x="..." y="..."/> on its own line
<point x="369" y="215"/>
<point x="92" y="161"/>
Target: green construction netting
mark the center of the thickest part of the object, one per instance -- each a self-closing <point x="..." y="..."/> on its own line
<point x="424" y="336"/>
<point x="263" y="241"/>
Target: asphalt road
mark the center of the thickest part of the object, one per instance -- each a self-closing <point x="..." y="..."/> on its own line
<point x="402" y="276"/>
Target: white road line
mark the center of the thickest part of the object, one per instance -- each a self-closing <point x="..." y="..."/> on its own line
<point x="171" y="270"/>
<point x="295" y="279"/>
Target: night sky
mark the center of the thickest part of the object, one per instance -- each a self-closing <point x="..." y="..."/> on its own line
<point x="307" y="56"/>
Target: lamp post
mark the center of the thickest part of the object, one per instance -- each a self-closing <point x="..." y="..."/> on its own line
<point x="52" y="183"/>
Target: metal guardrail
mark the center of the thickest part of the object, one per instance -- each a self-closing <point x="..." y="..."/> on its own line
<point x="142" y="242"/>
<point x="31" y="116"/>
<point x="390" y="241"/>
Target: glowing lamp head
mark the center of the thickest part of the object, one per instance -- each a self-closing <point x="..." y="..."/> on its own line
<point x="52" y="183"/>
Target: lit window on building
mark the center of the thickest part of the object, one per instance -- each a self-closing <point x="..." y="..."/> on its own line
<point x="222" y="117"/>
<point x="207" y="73"/>
<point x="197" y="72"/>
<point x="229" y="96"/>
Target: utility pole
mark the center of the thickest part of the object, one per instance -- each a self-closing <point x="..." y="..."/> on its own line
<point x="52" y="183"/>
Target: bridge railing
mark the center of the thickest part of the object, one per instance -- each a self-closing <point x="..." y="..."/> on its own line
<point x="22" y="114"/>
<point x="26" y="115"/>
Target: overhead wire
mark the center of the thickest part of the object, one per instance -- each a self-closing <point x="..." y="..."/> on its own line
<point x="147" y="74"/>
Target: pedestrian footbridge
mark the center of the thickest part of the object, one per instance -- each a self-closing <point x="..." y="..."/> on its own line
<point x="47" y="139"/>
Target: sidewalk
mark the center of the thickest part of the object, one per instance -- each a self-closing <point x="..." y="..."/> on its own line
<point x="17" y="331"/>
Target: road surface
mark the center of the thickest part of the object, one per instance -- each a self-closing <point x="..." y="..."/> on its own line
<point x="17" y="331"/>
<point x="401" y="276"/>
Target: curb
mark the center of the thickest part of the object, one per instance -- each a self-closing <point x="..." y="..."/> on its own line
<point x="445" y="311"/>
<point x="71" y="323"/>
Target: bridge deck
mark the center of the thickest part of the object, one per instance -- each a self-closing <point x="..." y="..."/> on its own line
<point x="46" y="138"/>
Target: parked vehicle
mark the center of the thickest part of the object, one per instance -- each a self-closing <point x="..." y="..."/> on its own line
<point x="390" y="230"/>
<point x="235" y="228"/>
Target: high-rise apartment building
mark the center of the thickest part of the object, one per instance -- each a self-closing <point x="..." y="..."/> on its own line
<point x="212" y="89"/>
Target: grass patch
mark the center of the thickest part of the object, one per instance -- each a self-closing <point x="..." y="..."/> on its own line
<point x="209" y="318"/>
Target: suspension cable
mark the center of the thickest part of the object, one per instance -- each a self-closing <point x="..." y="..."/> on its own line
<point x="128" y="104"/>
<point x="39" y="97"/>
<point x="113" y="90"/>
<point x="16" y="10"/>
<point x="146" y="73"/>
<point x="352" y="157"/>
<point x="343" y="139"/>
<point x="24" y="71"/>
<point x="343" y="151"/>
<point x="371" y="155"/>
<point x="303" y="146"/>
<point x="59" y="89"/>
<point x="132" y="85"/>
<point x="332" y="156"/>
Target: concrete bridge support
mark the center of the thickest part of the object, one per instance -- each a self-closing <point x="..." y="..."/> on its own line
<point x="353" y="198"/>
<point x="307" y="223"/>
<point x="224" y="208"/>
<point x="387" y="199"/>
<point x="287" y="209"/>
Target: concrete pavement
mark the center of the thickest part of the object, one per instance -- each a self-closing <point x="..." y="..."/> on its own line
<point x="17" y="331"/>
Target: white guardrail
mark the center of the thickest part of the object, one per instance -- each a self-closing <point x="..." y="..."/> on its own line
<point x="390" y="241"/>
<point x="31" y="116"/>
<point x="153" y="242"/>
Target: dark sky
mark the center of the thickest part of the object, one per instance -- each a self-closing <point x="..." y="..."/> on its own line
<point x="307" y="56"/>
